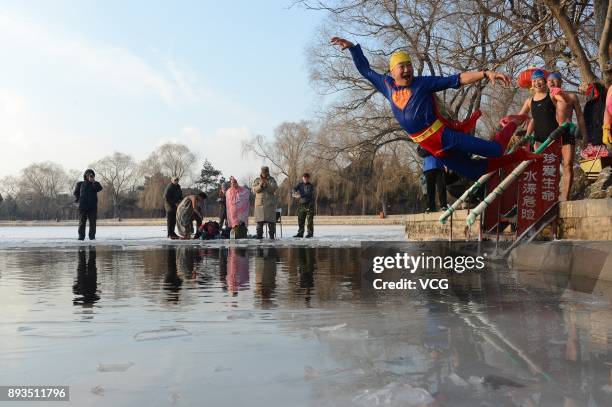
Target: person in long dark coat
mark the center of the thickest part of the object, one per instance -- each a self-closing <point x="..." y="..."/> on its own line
<point x="173" y="195"/>
<point x="221" y="200"/>
<point x="86" y="194"/>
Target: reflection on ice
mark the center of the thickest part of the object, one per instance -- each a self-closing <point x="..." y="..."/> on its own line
<point x="86" y="285"/>
<point x="164" y="333"/>
<point x="297" y="324"/>
<point x="393" y="394"/>
<point x="114" y="367"/>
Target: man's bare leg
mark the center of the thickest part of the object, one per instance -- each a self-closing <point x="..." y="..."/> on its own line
<point x="567" y="155"/>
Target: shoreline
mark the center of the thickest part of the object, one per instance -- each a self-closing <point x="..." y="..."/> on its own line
<point x="344" y="220"/>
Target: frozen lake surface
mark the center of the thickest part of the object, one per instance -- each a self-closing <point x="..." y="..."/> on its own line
<point x="66" y="236"/>
<point x="167" y="323"/>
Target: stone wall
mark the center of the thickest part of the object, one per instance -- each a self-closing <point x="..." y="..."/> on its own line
<point x="426" y="226"/>
<point x="588" y="219"/>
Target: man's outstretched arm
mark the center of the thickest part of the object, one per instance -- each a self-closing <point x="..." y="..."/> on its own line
<point x="439" y="83"/>
<point x="362" y="64"/>
<point x="466" y="78"/>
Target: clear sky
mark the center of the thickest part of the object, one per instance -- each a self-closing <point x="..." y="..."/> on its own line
<point x="81" y="79"/>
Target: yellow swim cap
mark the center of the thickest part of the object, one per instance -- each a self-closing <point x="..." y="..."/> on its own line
<point x="397" y="58"/>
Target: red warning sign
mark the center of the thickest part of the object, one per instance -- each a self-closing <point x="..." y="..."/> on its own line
<point x="538" y="187"/>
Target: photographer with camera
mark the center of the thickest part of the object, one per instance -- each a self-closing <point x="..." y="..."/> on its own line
<point x="265" y="202"/>
<point x="86" y="194"/>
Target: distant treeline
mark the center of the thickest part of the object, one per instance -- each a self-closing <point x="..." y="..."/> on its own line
<point x="43" y="191"/>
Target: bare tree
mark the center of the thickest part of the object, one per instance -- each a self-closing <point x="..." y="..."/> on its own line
<point x="9" y="186"/>
<point x="40" y="184"/>
<point x="150" y="166"/>
<point x="118" y="172"/>
<point x="172" y="160"/>
<point x="46" y="179"/>
<point x="73" y="176"/>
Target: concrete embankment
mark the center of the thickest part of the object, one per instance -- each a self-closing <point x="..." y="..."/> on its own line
<point x="589" y="219"/>
<point x="580" y="260"/>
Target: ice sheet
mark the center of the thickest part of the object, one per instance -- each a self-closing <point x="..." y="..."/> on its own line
<point x="150" y="236"/>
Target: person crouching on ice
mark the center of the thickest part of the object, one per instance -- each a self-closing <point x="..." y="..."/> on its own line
<point x="414" y="107"/>
<point x="191" y="208"/>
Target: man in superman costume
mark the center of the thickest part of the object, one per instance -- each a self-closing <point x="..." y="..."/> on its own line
<point x="414" y="107"/>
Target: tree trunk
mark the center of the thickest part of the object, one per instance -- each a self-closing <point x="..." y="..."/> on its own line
<point x="289" y="204"/>
<point x="605" y="45"/>
<point x="363" y="200"/>
<point x="601" y="11"/>
<point x="115" y="207"/>
<point x="586" y="72"/>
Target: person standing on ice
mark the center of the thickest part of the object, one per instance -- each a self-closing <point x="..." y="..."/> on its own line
<point x="265" y="187"/>
<point x="221" y="201"/>
<point x="86" y="194"/>
<point x="237" y="201"/>
<point x="433" y="170"/>
<point x="305" y="192"/>
<point x="173" y="195"/>
<point x="413" y="105"/>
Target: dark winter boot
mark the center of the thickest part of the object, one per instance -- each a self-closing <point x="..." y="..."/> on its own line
<point x="272" y="230"/>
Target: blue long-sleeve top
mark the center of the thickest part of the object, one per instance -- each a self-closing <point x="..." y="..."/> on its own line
<point x="413" y="105"/>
